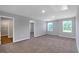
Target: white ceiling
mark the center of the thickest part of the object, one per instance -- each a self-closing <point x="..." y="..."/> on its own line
<point x="35" y="11"/>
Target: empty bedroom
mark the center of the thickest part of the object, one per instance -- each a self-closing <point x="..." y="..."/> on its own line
<point x="39" y="29"/>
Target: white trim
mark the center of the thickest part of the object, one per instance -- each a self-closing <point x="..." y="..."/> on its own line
<point x="13" y="30"/>
<point x="7" y="17"/>
<point x="67" y="36"/>
<point x="22" y="39"/>
<point x="8" y="29"/>
<point x="30" y="28"/>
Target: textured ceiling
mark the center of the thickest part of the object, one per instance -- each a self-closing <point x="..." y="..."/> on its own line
<point x="35" y="11"/>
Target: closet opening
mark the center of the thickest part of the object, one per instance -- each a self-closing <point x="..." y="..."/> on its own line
<point x="6" y="30"/>
<point x="31" y="29"/>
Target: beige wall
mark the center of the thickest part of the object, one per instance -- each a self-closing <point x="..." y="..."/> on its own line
<point x="21" y="26"/>
<point x="39" y="28"/>
<point x="58" y="29"/>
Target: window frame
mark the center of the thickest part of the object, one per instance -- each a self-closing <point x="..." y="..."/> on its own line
<point x="48" y="27"/>
<point x="65" y="31"/>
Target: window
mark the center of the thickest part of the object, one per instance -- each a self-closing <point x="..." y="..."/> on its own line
<point x="67" y="26"/>
<point x="50" y="26"/>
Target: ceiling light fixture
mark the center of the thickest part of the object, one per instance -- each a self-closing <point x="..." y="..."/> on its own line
<point x="53" y="16"/>
<point x="43" y="11"/>
<point x="31" y="21"/>
<point x="65" y="7"/>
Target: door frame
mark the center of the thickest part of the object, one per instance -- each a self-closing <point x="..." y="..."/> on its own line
<point x="30" y="27"/>
<point x="13" y="25"/>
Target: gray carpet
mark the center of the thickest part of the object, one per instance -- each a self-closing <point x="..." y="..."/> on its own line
<point x="42" y="44"/>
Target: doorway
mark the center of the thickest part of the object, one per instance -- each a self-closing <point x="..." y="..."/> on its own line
<point x="32" y="26"/>
<point x="31" y="30"/>
<point x="6" y="30"/>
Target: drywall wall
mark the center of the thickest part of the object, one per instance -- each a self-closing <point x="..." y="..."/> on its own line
<point x="77" y="29"/>
<point x="58" y="28"/>
<point x="21" y="26"/>
<point x="69" y="35"/>
<point x="39" y="28"/>
<point x="55" y="29"/>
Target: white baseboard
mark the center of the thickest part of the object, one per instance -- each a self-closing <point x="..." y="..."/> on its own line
<point x="66" y="36"/>
<point x="62" y="36"/>
<point x="40" y="35"/>
<point x="20" y="39"/>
